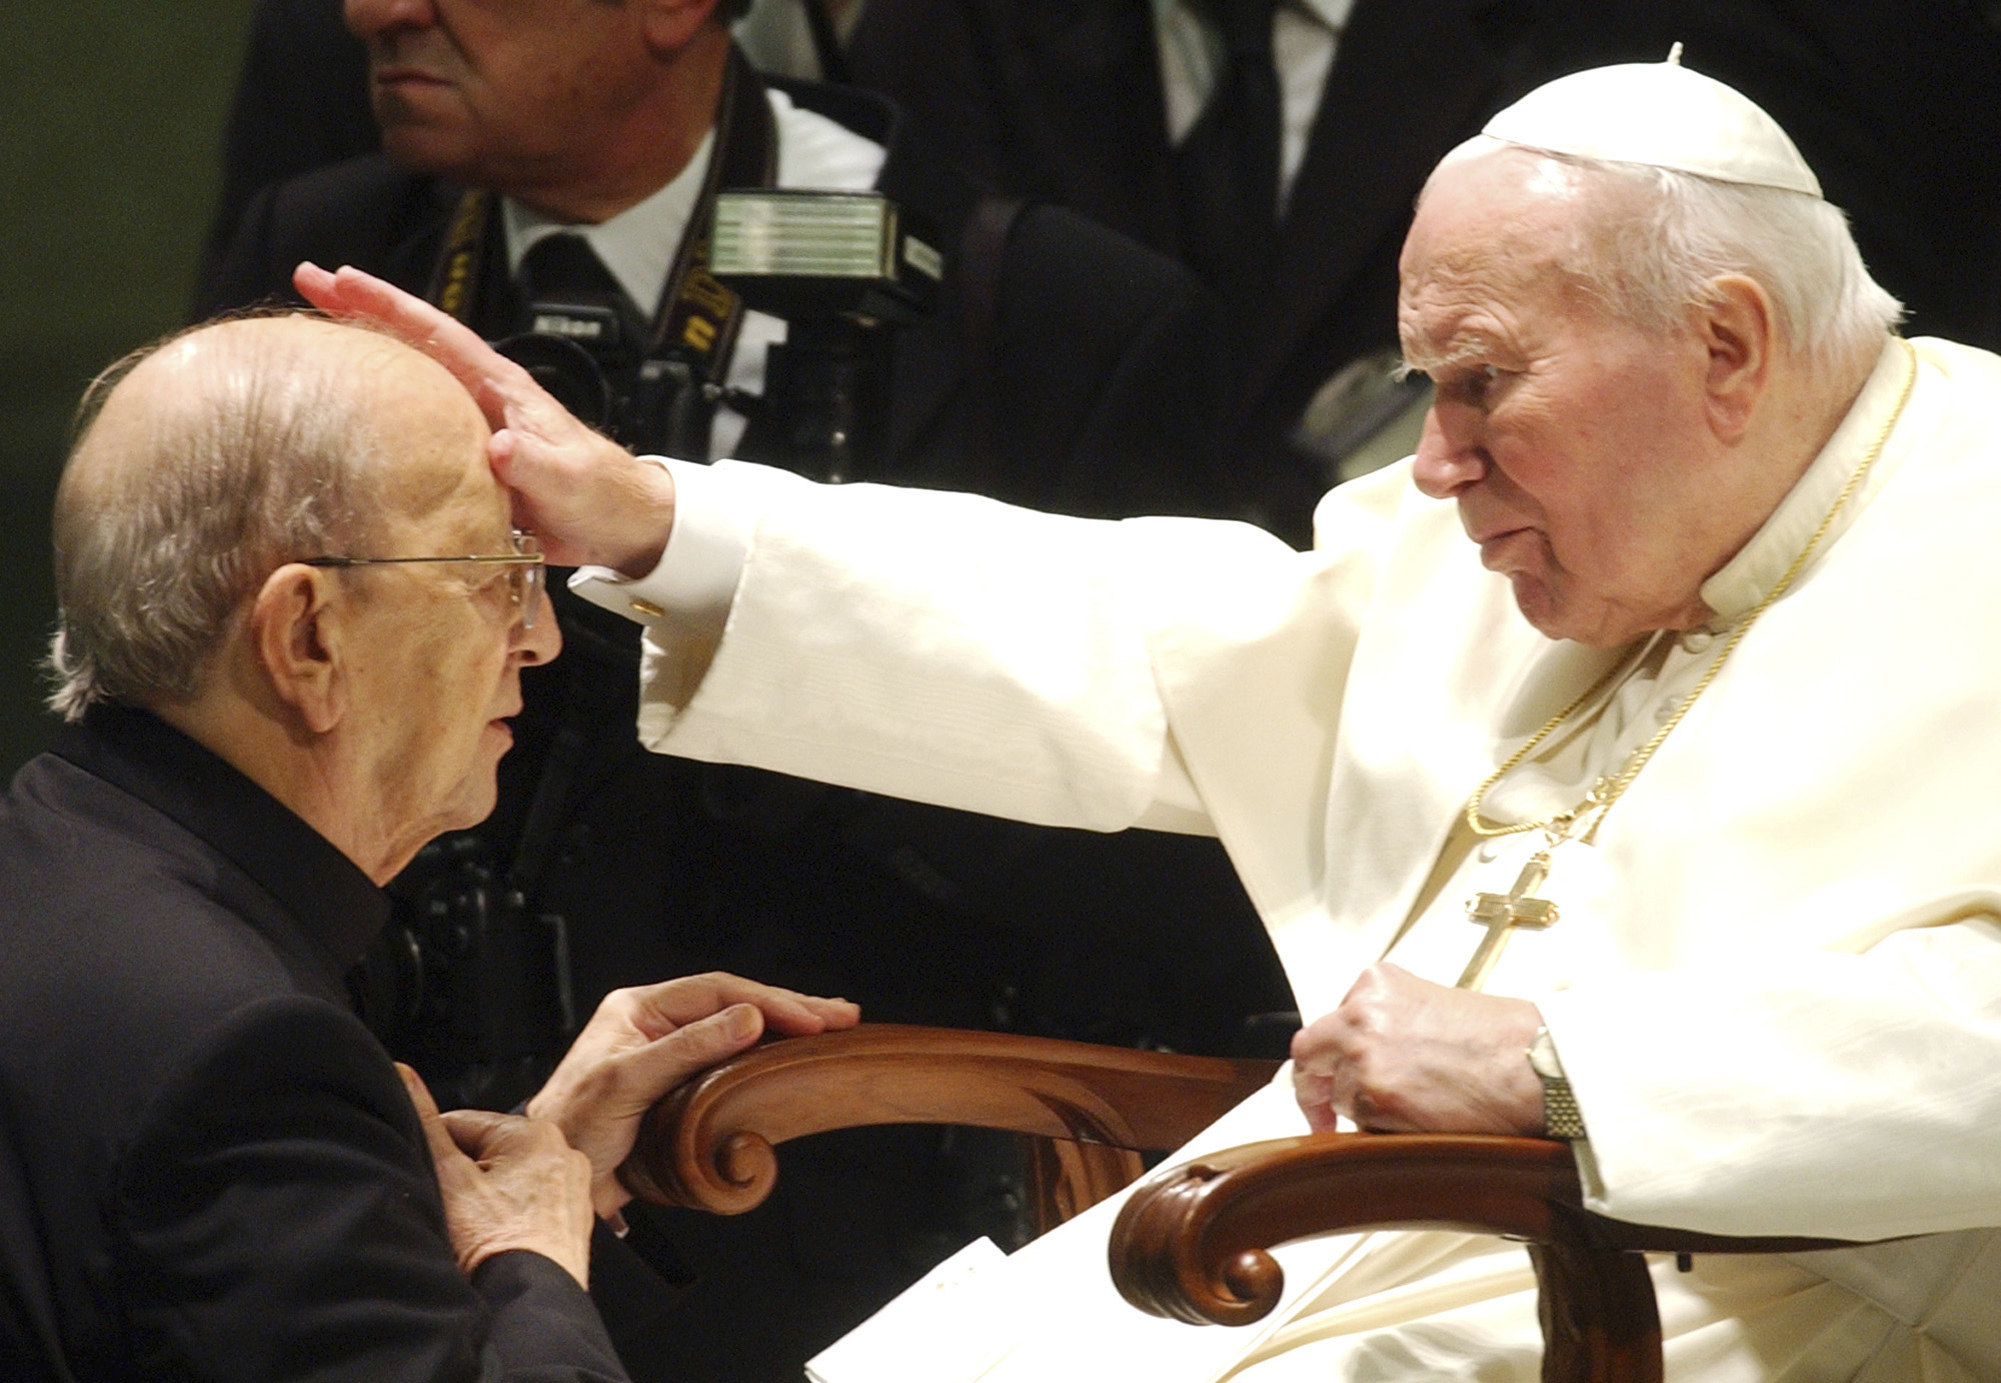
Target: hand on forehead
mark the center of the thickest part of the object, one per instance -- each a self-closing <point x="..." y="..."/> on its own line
<point x="583" y="495"/>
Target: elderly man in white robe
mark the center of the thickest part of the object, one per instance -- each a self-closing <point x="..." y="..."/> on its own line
<point x="1709" y="714"/>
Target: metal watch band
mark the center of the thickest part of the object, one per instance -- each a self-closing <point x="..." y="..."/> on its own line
<point x="1561" y="1116"/>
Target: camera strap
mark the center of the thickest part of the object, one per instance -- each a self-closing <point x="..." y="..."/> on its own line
<point x="697" y="318"/>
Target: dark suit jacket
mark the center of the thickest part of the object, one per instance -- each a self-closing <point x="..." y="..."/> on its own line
<point x="1062" y="99"/>
<point x="208" y="1168"/>
<point x="1097" y="384"/>
<point x="1892" y="104"/>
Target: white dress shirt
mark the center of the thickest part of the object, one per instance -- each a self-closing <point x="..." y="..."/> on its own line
<point x="639" y="244"/>
<point x="1304" y="34"/>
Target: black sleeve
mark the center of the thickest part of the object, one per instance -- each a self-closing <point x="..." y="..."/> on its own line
<point x="1108" y="358"/>
<point x="277" y="1217"/>
<point x="365" y="212"/>
<point x="241" y="270"/>
<point x="301" y="103"/>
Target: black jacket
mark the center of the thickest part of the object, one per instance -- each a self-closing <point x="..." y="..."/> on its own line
<point x="1075" y="369"/>
<point x="208" y="1167"/>
<point x="1061" y="99"/>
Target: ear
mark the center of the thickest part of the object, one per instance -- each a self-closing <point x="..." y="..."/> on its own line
<point x="1739" y="329"/>
<point x="670" y="25"/>
<point x="298" y="629"/>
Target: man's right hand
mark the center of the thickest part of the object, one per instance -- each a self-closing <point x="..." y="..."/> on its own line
<point x="508" y="1183"/>
<point x="644" y="1041"/>
<point x="1404" y="1055"/>
<point x="588" y="499"/>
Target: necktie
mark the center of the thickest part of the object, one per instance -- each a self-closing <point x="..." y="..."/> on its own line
<point x="576" y="329"/>
<point x="562" y="268"/>
<point x="1227" y="167"/>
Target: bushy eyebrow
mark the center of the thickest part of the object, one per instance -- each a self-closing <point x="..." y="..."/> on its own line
<point x="1464" y="346"/>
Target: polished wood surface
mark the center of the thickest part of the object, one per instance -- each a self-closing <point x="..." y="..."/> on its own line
<point x="710" y="1144"/>
<point x="1194" y="1243"/>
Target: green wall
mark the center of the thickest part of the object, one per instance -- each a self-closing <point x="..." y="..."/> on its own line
<point x="110" y="125"/>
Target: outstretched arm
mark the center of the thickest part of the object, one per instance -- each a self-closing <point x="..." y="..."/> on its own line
<point x="588" y="499"/>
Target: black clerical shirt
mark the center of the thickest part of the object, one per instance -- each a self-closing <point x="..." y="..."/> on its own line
<point x="208" y="1167"/>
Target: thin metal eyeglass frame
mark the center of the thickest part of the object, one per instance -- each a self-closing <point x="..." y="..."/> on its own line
<point x="527" y="558"/>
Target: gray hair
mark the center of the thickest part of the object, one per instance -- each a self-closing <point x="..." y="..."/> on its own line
<point x="263" y="463"/>
<point x="1656" y="238"/>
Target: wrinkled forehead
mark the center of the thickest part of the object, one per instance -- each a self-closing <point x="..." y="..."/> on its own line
<point x="430" y="441"/>
<point x="1496" y="211"/>
<point x="1498" y="231"/>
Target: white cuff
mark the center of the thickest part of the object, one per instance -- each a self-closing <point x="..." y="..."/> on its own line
<point x="696" y="577"/>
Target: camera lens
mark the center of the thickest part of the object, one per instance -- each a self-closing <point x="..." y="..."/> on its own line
<point x="568" y="371"/>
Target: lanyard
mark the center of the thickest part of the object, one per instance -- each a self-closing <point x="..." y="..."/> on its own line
<point x="697" y="319"/>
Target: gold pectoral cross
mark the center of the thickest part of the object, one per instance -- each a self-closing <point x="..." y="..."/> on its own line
<point x="1501" y="913"/>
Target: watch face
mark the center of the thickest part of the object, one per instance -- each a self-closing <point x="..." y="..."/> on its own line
<point x="1542" y="1056"/>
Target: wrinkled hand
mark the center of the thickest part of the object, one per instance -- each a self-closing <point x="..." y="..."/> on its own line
<point x="1404" y="1055"/>
<point x="583" y="495"/>
<point x="508" y="1183"/>
<point x="643" y="1042"/>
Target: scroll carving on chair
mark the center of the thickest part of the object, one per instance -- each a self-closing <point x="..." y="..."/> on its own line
<point x="1091" y="1109"/>
<point x="1192" y="1244"/>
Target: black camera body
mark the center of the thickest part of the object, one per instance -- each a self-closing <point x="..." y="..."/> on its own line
<point x="844" y="269"/>
<point x="595" y="363"/>
<point x="471" y="983"/>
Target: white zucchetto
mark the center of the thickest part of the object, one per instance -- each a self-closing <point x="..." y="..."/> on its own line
<point x="1659" y="114"/>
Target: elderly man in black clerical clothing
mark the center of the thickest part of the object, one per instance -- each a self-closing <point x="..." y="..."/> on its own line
<point x="1064" y="368"/>
<point x="293" y="622"/>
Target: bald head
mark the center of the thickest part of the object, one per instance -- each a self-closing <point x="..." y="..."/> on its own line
<point x="200" y="465"/>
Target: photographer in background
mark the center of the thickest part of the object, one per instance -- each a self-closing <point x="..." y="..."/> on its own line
<point x="567" y="153"/>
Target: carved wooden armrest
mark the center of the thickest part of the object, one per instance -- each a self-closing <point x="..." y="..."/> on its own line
<point x="709" y="1143"/>
<point x="1192" y="1244"/>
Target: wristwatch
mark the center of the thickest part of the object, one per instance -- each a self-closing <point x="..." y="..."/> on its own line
<point x="1560" y="1115"/>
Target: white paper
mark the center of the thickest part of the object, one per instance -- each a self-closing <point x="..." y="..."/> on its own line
<point x="1050" y="1311"/>
<point x="936" y="1328"/>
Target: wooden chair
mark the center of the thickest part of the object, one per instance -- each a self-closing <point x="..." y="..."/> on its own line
<point x="1192" y="1244"/>
<point x="1090" y="1111"/>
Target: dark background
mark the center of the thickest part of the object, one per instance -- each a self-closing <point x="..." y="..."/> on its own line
<point x="110" y="130"/>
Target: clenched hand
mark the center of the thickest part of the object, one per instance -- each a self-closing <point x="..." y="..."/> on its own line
<point x="1404" y="1055"/>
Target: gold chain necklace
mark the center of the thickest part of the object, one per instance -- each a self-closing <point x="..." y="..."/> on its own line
<point x="1608" y="790"/>
<point x="1502" y="913"/>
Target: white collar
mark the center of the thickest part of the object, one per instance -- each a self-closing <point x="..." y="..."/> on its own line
<point x="1333" y="13"/>
<point x="638" y="245"/>
<point x="1743" y="581"/>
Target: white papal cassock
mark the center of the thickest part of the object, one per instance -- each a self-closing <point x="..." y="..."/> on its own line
<point x="1776" y="983"/>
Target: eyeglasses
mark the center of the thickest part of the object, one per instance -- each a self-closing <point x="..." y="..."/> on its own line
<point x="526" y="572"/>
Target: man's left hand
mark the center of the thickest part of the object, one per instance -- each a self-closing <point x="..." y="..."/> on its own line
<point x="1404" y="1055"/>
<point x="643" y="1042"/>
